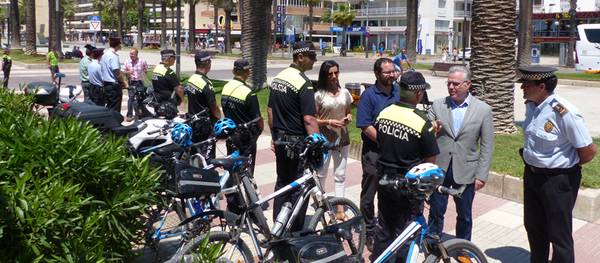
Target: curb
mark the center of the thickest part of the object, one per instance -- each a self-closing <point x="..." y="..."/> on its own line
<point x="510" y="188"/>
<point x="44" y="66"/>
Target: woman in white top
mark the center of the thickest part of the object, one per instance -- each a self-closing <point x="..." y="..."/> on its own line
<point x="333" y="115"/>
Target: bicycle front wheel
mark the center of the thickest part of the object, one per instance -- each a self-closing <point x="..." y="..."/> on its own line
<point x="459" y="250"/>
<point x="220" y="247"/>
<point x="323" y="218"/>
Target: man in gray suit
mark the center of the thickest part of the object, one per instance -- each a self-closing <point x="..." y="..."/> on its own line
<point x="465" y="136"/>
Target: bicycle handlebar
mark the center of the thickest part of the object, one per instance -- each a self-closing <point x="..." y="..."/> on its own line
<point x="402" y="182"/>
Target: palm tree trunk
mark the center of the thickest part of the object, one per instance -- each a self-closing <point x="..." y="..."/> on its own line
<point x="30" y="47"/>
<point x="228" y="11"/>
<point x="163" y="23"/>
<point x="254" y="43"/>
<point x="51" y="24"/>
<point x="412" y="7"/>
<point x="525" y="33"/>
<point x="120" y="19"/>
<point x="493" y="60"/>
<point x="272" y="19"/>
<point x="140" y="36"/>
<point x="15" y="28"/>
<point x="310" y="22"/>
<point x="192" y="23"/>
<point x="216" y="22"/>
<point x="572" y="27"/>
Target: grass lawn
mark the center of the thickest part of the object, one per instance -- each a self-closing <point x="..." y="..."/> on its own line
<point x="18" y="55"/>
<point x="579" y="76"/>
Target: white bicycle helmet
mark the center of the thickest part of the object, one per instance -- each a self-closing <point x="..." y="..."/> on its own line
<point x="425" y="177"/>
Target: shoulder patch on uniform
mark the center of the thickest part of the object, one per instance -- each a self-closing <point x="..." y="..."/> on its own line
<point x="560" y="109"/>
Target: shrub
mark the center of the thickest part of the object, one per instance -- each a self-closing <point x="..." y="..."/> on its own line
<point x="66" y="192"/>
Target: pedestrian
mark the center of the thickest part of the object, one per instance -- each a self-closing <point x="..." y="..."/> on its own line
<point x="94" y="70"/>
<point x="381" y="48"/>
<point x="465" y="136"/>
<point x="136" y="70"/>
<point x="83" y="72"/>
<point x="394" y="48"/>
<point x="406" y="139"/>
<point x="454" y="54"/>
<point x="240" y="104"/>
<point x="400" y="60"/>
<point x="556" y="145"/>
<point x="167" y="88"/>
<point x="323" y="47"/>
<point x="6" y="65"/>
<point x="444" y="54"/>
<point x="112" y="79"/>
<point x="374" y="48"/>
<point x="374" y="99"/>
<point x="52" y="61"/>
<point x="292" y="110"/>
<point x="334" y="113"/>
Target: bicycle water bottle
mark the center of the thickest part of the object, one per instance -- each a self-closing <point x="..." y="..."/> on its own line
<point x="282" y="217"/>
<point x="196" y="206"/>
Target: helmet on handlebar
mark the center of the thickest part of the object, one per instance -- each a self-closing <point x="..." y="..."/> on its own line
<point x="167" y="110"/>
<point x="181" y="134"/>
<point x="318" y="153"/>
<point x="224" y="127"/>
<point x="425" y="177"/>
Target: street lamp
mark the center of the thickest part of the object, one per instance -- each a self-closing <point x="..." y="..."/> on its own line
<point x="464" y="51"/>
<point x="367" y="31"/>
<point x="178" y="47"/>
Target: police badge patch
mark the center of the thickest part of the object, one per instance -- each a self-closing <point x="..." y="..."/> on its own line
<point x="549" y="126"/>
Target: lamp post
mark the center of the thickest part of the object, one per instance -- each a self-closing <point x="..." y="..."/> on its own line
<point x="178" y="47"/>
<point x="464" y="51"/>
<point x="367" y="31"/>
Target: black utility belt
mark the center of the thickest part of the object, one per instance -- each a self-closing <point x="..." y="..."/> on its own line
<point x="106" y="83"/>
<point x="282" y="136"/>
<point x="553" y="171"/>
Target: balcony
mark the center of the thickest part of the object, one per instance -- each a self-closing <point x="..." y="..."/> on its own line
<point x="461" y="13"/>
<point x="381" y="12"/>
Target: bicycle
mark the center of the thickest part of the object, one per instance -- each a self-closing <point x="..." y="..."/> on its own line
<point x="235" y="248"/>
<point x="417" y="233"/>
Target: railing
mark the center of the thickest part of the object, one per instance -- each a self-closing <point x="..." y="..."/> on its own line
<point x="461" y="13"/>
<point x="392" y="11"/>
<point x="551" y="33"/>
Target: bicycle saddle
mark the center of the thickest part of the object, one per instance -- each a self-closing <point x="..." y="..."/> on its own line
<point x="168" y="150"/>
<point x="124" y="130"/>
<point x="231" y="163"/>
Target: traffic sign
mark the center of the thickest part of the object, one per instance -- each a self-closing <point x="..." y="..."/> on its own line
<point x="95" y="25"/>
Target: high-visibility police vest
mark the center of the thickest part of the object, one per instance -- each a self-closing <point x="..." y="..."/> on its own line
<point x="291" y="78"/>
<point x="236" y="89"/>
<point x="198" y="81"/>
<point x="160" y="70"/>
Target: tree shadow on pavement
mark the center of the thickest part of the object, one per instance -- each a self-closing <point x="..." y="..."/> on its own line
<point x="508" y="254"/>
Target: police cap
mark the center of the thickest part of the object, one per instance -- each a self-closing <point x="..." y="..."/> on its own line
<point x="535" y="73"/>
<point x="201" y="57"/>
<point x="304" y="47"/>
<point x="414" y="81"/>
<point x="167" y="53"/>
<point x="241" y="64"/>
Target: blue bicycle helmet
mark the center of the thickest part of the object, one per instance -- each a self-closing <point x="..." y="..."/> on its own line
<point x="319" y="154"/>
<point x="425" y="177"/>
<point x="224" y="127"/>
<point x="181" y="134"/>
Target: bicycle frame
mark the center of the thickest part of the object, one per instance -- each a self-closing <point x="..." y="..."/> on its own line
<point x="415" y="246"/>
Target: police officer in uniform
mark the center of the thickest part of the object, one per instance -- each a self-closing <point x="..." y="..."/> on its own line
<point x="406" y="138"/>
<point x="165" y="81"/>
<point x="556" y="144"/>
<point x="200" y="90"/>
<point x="240" y="104"/>
<point x="291" y="111"/>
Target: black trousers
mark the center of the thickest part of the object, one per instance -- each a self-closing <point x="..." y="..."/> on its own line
<point x="549" y="199"/>
<point x="287" y="172"/>
<point x="395" y="213"/>
<point x="97" y="95"/>
<point x="113" y="95"/>
<point x="368" y="186"/>
<point x="85" y="86"/>
<point x="6" y="77"/>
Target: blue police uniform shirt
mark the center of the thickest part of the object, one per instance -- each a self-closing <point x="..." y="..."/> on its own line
<point x="95" y="73"/>
<point x="552" y="138"/>
<point x="109" y="62"/>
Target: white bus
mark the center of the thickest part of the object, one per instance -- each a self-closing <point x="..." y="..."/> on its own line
<point x="587" y="48"/>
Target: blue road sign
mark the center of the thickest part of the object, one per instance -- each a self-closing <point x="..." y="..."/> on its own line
<point x="94" y="18"/>
<point x="336" y="29"/>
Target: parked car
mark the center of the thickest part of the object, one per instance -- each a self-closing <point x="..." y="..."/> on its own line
<point x="467" y="54"/>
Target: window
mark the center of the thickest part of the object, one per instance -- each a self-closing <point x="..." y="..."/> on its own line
<point x="442" y="3"/>
<point x="538" y="2"/>
<point x="593" y="35"/>
<point x="442" y="25"/>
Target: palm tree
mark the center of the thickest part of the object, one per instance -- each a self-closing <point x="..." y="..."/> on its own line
<point x="572" y="27"/>
<point x="15" y="25"/>
<point x="30" y="47"/>
<point x="525" y="35"/>
<point x="255" y="44"/>
<point x="311" y="4"/>
<point x="120" y="19"/>
<point x="493" y="59"/>
<point x="192" y="24"/>
<point x="228" y="6"/>
<point x="163" y="23"/>
<point x="412" y="7"/>
<point x="140" y="37"/>
<point x="343" y="17"/>
<point x="216" y="4"/>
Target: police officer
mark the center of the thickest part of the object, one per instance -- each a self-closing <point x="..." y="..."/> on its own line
<point x="6" y="65"/>
<point x="240" y="104"/>
<point x="111" y="75"/>
<point x="291" y="111"/>
<point x="556" y="144"/>
<point x="165" y="82"/>
<point x="201" y="95"/>
<point x="406" y="138"/>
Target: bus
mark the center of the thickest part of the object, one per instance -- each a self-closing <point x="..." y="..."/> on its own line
<point x="587" y="48"/>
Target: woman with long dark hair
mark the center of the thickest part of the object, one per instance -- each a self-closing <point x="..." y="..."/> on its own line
<point x="333" y="115"/>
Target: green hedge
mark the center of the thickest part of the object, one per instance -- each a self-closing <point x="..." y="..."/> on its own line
<point x="67" y="194"/>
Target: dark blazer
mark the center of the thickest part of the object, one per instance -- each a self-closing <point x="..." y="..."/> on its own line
<point x="471" y="149"/>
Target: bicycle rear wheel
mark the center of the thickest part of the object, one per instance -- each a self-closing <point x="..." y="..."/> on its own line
<point x="459" y="250"/>
<point x="322" y="218"/>
<point x="229" y="250"/>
